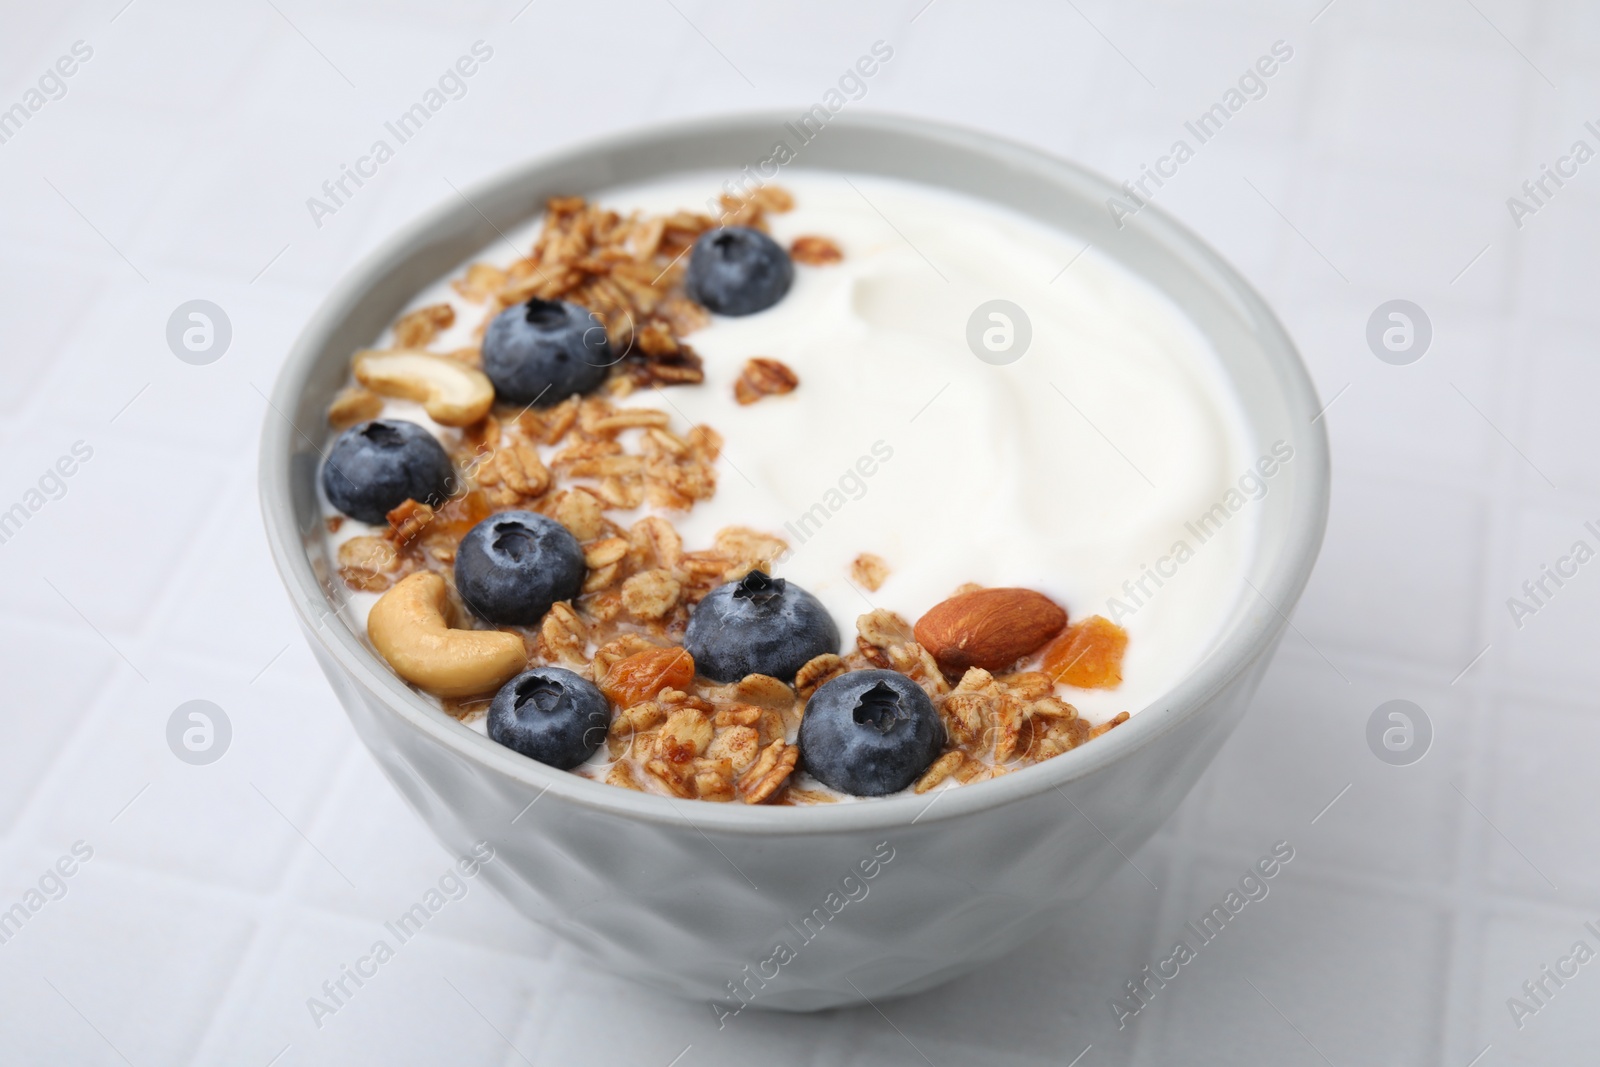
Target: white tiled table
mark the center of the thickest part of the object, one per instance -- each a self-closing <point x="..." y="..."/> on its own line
<point x="219" y="898"/>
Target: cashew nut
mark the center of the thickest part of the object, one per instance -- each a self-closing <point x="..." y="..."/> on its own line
<point x="452" y="393"/>
<point x="407" y="626"/>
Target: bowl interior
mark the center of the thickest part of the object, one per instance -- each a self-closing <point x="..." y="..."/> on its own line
<point x="1259" y="358"/>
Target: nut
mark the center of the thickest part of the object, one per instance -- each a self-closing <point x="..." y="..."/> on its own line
<point x="989" y="628"/>
<point x="452" y="393"/>
<point x="407" y="626"/>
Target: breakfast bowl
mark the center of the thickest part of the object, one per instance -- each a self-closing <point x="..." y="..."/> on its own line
<point x="807" y="907"/>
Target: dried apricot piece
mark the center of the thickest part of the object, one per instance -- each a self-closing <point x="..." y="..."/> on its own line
<point x="644" y="674"/>
<point x="1088" y="655"/>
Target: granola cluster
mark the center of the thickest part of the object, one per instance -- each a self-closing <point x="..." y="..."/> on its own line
<point x="628" y="270"/>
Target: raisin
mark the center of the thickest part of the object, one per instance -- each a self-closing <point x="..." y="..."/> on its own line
<point x="642" y="675"/>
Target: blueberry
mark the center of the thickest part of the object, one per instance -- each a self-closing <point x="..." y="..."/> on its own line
<point x="551" y="715"/>
<point x="758" y="625"/>
<point x="869" y="733"/>
<point x="513" y="565"/>
<point x="543" y="351"/>
<point x="376" y="466"/>
<point x="738" y="271"/>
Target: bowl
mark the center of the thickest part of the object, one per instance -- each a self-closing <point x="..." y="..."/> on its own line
<point x="803" y="908"/>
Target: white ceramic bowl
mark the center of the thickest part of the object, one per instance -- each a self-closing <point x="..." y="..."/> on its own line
<point x="697" y="898"/>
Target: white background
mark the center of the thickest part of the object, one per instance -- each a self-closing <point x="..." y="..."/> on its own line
<point x="1377" y="167"/>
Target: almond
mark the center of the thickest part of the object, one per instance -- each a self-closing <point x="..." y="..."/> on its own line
<point x="989" y="628"/>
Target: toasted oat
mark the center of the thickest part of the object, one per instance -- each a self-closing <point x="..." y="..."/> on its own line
<point x="797" y="796"/>
<point x="621" y="491"/>
<point x="687" y="734"/>
<point x="939" y="770"/>
<point x="738" y="744"/>
<point x="816" y="672"/>
<point x="677" y="778"/>
<point x="579" y="511"/>
<point x="706" y="442"/>
<point x="604" y="552"/>
<point x="618" y="649"/>
<point x="650" y="594"/>
<point x="368" y="563"/>
<point x="549" y="427"/>
<point x="886" y="640"/>
<point x="1027" y="685"/>
<point x="408" y="520"/>
<point x="465" y="709"/>
<point x="520" y="469"/>
<point x="1120" y="718"/>
<point x="882" y="629"/>
<point x="969" y="710"/>
<point x="677" y="482"/>
<point x="737" y="715"/>
<point x="763" y="377"/>
<point x="637" y="719"/>
<point x="354" y="404"/>
<point x="764" y="691"/>
<point x="1008" y="724"/>
<point x="415" y="329"/>
<point x="602" y="578"/>
<point x="973" y="771"/>
<point x="814" y="251"/>
<point x="772" y="768"/>
<point x="657" y="541"/>
<point x="773" y="198"/>
<point x="682" y="315"/>
<point x="869" y="570"/>
<point x="619" y="774"/>
<point x="564" y="636"/>
<point x="674" y="698"/>
<point x="481" y="282"/>
<point x="713" y="779"/>
<point x="1051" y="708"/>
<point x="750" y="547"/>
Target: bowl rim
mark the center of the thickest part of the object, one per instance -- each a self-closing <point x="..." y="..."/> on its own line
<point x="1236" y="650"/>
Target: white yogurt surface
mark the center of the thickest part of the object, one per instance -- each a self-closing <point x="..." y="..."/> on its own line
<point x="1071" y="470"/>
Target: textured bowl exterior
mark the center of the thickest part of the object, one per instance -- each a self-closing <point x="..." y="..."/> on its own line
<point x="803" y="908"/>
<point x="690" y="909"/>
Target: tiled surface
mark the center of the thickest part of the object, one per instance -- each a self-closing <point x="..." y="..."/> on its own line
<point x="219" y="898"/>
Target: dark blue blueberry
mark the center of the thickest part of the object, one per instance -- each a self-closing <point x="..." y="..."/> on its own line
<point x="544" y="351"/>
<point x="376" y="466"/>
<point x="738" y="271"/>
<point x="869" y="733"/>
<point x="551" y="715"/>
<point x="513" y="565"/>
<point x="758" y="625"/>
